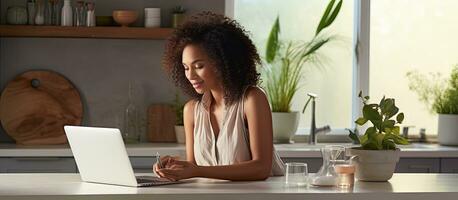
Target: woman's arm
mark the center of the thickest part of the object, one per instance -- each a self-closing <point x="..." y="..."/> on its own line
<point x="258" y="116"/>
<point x="188" y="120"/>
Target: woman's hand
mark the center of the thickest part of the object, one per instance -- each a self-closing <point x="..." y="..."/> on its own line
<point x="166" y="163"/>
<point x="177" y="170"/>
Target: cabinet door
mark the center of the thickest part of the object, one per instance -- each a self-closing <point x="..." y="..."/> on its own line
<point x="38" y="165"/>
<point x="313" y="164"/>
<point x="418" y="165"/>
<point x="142" y="164"/>
<point x="449" y="165"/>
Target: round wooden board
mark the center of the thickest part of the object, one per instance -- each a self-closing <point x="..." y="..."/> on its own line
<point x="35" y="106"/>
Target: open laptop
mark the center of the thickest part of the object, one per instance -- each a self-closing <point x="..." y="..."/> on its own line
<point x="101" y="157"/>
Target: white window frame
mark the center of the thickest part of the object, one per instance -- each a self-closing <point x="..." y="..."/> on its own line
<point x="361" y="59"/>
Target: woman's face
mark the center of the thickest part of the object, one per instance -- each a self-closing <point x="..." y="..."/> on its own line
<point x="199" y="70"/>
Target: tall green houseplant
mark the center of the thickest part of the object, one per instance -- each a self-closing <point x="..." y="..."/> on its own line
<point x="287" y="59"/>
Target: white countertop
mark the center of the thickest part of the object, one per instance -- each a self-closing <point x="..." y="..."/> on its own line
<point x="69" y="186"/>
<point x="297" y="150"/>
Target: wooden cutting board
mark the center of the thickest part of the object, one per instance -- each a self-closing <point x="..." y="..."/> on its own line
<point x="161" y="123"/>
<point x="35" y="106"/>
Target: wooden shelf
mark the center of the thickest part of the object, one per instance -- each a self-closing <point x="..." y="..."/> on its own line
<point x="85" y="32"/>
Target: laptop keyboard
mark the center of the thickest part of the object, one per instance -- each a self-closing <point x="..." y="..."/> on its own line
<point x="151" y="180"/>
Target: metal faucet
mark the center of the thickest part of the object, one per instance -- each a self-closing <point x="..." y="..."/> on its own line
<point x="313" y="130"/>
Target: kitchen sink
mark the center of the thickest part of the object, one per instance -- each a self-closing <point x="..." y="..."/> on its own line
<point x="309" y="146"/>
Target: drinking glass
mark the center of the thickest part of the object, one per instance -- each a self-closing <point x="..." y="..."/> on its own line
<point x="296" y="174"/>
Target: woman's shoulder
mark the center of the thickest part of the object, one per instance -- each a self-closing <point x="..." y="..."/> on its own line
<point x="189" y="106"/>
<point x="255" y="93"/>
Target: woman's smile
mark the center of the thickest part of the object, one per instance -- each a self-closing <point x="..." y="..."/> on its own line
<point x="197" y="84"/>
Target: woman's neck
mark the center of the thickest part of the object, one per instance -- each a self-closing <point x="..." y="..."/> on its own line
<point x="218" y="98"/>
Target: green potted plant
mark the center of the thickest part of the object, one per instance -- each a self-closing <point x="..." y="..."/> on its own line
<point x="377" y="155"/>
<point x="284" y="61"/>
<point x="178" y="16"/>
<point x="178" y="107"/>
<point x="442" y="98"/>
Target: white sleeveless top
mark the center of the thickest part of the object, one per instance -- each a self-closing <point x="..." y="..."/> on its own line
<point x="232" y="145"/>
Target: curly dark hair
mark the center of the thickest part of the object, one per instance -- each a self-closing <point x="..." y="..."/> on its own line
<point x="228" y="46"/>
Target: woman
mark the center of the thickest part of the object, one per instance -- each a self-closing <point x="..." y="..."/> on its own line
<point x="228" y="122"/>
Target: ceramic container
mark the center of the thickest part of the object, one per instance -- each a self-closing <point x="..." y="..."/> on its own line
<point x="125" y="17"/>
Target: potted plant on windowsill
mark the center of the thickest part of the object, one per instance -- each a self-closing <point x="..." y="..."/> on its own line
<point x="442" y="98"/>
<point x="179" y="124"/>
<point x="377" y="156"/>
<point x="284" y="62"/>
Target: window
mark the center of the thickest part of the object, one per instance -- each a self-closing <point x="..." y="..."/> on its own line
<point x="298" y="20"/>
<point x="423" y="40"/>
<point x="395" y="36"/>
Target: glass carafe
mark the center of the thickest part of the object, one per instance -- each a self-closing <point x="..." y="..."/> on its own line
<point x="327" y="175"/>
<point x="130" y="132"/>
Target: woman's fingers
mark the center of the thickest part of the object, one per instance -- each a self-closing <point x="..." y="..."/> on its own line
<point x="179" y="162"/>
<point x="167" y="160"/>
<point x="169" y="174"/>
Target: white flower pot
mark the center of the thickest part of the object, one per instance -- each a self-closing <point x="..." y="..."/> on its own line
<point x="284" y="126"/>
<point x="374" y="165"/>
<point x="179" y="132"/>
<point x="448" y="129"/>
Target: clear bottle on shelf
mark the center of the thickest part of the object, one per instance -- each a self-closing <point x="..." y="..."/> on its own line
<point x="55" y="18"/>
<point x="79" y="15"/>
<point x="40" y="12"/>
<point x="31" y="11"/>
<point x="90" y="14"/>
<point x="131" y="131"/>
<point x="67" y="14"/>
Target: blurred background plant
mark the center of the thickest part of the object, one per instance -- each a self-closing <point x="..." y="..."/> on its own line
<point x="439" y="94"/>
<point x="178" y="10"/>
<point x="178" y="107"/>
<point x="286" y="59"/>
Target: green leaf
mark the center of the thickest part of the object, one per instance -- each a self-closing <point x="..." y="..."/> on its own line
<point x="361" y="121"/>
<point x="363" y="139"/>
<point x="334" y="14"/>
<point x="324" y="18"/>
<point x="371" y="113"/>
<point x="353" y="136"/>
<point x="379" y="138"/>
<point x="387" y="105"/>
<point x="398" y="139"/>
<point x="273" y="43"/>
<point x="315" y="47"/>
<point x="389" y="109"/>
<point x="389" y="144"/>
<point x="388" y="124"/>
<point x="400" y="118"/>
<point x="396" y="130"/>
<point x="374" y="142"/>
<point x="360" y="94"/>
<point x="382" y="103"/>
<point x="370" y="132"/>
